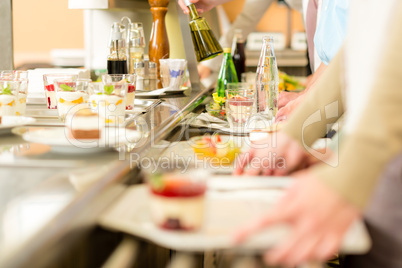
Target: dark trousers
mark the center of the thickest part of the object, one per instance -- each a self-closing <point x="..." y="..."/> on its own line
<point x="384" y="222"/>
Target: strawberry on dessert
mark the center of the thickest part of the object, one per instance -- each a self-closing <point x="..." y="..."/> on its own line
<point x="130" y="97"/>
<point x="177" y="202"/>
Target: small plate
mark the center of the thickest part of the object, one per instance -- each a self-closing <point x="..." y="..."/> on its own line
<point x="225" y="213"/>
<point x="57" y="139"/>
<point x="10" y="121"/>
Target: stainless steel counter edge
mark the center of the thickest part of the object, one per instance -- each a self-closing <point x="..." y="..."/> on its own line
<point x="77" y="219"/>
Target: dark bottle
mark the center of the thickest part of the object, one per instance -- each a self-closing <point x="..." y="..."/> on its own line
<point x="206" y="45"/>
<point x="239" y="56"/>
<point x="117" y="59"/>
<point x="227" y="74"/>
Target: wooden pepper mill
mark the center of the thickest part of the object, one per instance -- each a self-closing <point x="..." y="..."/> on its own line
<point x="158" y="43"/>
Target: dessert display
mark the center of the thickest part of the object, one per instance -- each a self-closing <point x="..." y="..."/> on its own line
<point x="50" y="93"/>
<point x="84" y="124"/>
<point x="215" y="150"/>
<point x="130" y="97"/>
<point x="21" y="103"/>
<point x="177" y="201"/>
<point x="110" y="103"/>
<point x="68" y="99"/>
<point x="8" y="98"/>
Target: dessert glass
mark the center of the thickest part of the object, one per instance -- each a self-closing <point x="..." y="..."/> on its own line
<point x="109" y="101"/>
<point x="71" y="95"/>
<point x="8" y="96"/>
<point x="22" y="77"/>
<point x="50" y="93"/>
<point x="130" y="79"/>
<point x="215" y="150"/>
<point x="240" y="106"/>
<point x="177" y="199"/>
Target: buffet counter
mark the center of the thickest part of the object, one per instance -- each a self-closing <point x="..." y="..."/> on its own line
<point x="51" y="199"/>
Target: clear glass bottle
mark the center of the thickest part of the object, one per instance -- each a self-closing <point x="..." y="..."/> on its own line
<point x="136" y="44"/>
<point x="227" y="73"/>
<point x="117" y="59"/>
<point x="267" y="81"/>
<point x="238" y="53"/>
<point x="206" y="45"/>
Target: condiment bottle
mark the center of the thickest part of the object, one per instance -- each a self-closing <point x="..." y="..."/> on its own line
<point x="227" y="73"/>
<point x="146" y="73"/>
<point x="206" y="46"/>
<point x="238" y="54"/>
<point x="117" y="59"/>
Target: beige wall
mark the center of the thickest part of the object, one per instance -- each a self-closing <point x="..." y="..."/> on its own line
<point x="43" y="25"/>
<point x="274" y="20"/>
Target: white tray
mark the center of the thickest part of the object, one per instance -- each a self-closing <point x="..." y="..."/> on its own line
<point x="225" y="212"/>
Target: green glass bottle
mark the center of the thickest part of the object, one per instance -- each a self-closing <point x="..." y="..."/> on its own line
<point x="227" y="74"/>
<point x="206" y="46"/>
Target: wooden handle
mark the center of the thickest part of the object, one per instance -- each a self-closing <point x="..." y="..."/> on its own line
<point x="158" y="43"/>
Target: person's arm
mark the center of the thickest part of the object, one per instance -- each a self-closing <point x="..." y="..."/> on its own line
<point x="378" y="136"/>
<point x="322" y="105"/>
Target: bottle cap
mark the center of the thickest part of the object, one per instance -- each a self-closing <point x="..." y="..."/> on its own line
<point x="227" y="50"/>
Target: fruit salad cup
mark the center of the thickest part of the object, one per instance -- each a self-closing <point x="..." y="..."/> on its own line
<point x="130" y="79"/>
<point x="71" y="95"/>
<point x="215" y="150"/>
<point x="8" y="96"/>
<point x="50" y="92"/>
<point x="22" y="77"/>
<point x="177" y="201"/>
<point x="109" y="101"/>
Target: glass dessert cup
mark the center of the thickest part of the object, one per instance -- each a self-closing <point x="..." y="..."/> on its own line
<point x="22" y="97"/>
<point x="214" y="150"/>
<point x="130" y="79"/>
<point x="240" y="106"/>
<point x="8" y="96"/>
<point x="50" y="93"/>
<point x="216" y="110"/>
<point x="109" y="101"/>
<point x="22" y="77"/>
<point x="71" y="95"/>
<point x="177" y="200"/>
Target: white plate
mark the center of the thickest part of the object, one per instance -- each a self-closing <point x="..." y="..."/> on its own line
<point x="10" y="121"/>
<point x="57" y="139"/>
<point x="225" y="213"/>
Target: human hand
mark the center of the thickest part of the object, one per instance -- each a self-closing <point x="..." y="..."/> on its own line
<point x="203" y="71"/>
<point x="285" y="97"/>
<point x="284" y="112"/>
<point x="318" y="217"/>
<point x="276" y="155"/>
<point x="201" y="5"/>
